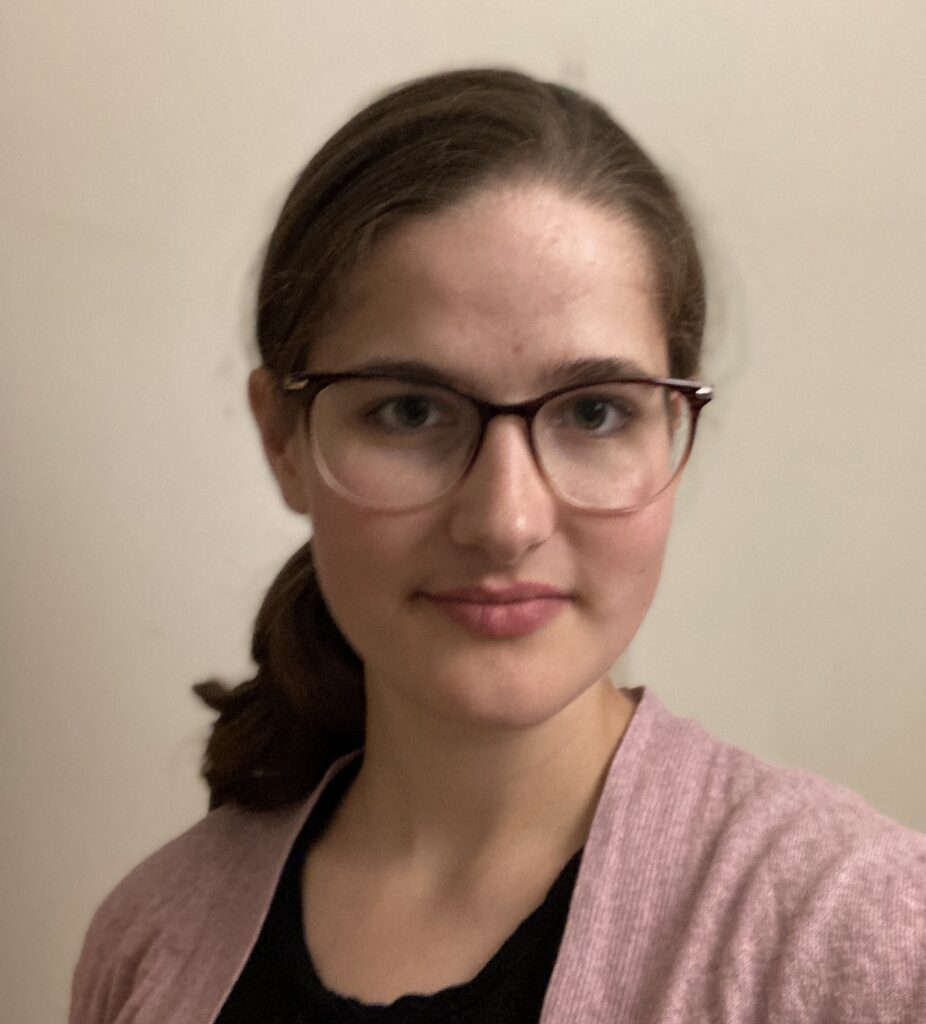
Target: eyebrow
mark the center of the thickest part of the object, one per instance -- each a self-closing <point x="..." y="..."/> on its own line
<point x="591" y="370"/>
<point x="562" y="373"/>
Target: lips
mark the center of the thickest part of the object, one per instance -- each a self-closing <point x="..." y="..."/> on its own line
<point x="500" y="612"/>
<point x="500" y="595"/>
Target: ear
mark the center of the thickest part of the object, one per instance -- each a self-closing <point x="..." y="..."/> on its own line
<point x="281" y="438"/>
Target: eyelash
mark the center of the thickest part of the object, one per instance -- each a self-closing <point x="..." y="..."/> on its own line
<point x="619" y="408"/>
<point x="375" y="415"/>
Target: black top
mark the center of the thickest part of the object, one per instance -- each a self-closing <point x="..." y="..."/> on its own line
<point x="279" y="984"/>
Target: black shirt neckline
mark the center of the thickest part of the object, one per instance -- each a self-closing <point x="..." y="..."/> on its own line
<point x="514" y="979"/>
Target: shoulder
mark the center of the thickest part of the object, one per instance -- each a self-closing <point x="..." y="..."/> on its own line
<point x="681" y="767"/>
<point x="841" y="890"/>
<point x="797" y="884"/>
<point x="228" y="844"/>
<point x="203" y="893"/>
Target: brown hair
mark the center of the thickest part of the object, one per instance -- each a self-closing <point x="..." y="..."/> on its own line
<point x="419" y="149"/>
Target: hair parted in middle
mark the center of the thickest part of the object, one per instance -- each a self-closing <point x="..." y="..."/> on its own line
<point x="422" y="148"/>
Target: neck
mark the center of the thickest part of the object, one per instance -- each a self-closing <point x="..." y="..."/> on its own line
<point x="435" y="794"/>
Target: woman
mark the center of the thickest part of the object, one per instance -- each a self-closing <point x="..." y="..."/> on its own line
<point x="479" y="317"/>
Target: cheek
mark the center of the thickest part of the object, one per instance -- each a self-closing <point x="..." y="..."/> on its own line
<point x="364" y="562"/>
<point x="343" y="545"/>
<point x="361" y="546"/>
<point x="347" y="579"/>
<point x="624" y="556"/>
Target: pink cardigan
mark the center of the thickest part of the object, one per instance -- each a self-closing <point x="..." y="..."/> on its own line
<point x="713" y="888"/>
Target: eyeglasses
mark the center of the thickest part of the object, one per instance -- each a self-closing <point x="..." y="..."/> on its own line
<point x="394" y="442"/>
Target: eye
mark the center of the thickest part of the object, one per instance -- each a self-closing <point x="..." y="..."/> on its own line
<point x="405" y="413"/>
<point x="594" y="414"/>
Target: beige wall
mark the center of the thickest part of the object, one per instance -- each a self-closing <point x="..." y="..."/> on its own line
<point x="145" y="148"/>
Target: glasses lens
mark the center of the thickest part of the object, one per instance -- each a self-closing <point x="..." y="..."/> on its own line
<point x="614" y="446"/>
<point x="391" y="443"/>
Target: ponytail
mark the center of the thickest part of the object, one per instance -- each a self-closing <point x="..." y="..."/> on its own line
<point x="277" y="733"/>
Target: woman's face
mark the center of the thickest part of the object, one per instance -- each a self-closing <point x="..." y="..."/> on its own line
<point x="500" y="295"/>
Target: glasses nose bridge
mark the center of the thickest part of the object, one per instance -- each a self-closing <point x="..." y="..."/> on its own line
<point x="489" y="411"/>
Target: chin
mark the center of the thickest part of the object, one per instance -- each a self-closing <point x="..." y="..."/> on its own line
<point x="504" y="694"/>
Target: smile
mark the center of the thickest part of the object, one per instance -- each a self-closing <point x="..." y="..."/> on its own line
<point x="499" y="614"/>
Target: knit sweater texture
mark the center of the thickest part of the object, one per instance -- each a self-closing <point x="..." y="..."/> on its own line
<point x="713" y="888"/>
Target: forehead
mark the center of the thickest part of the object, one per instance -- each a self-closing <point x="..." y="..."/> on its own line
<point x="498" y="290"/>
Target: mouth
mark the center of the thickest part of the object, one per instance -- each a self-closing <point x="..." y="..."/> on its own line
<point x="500" y="612"/>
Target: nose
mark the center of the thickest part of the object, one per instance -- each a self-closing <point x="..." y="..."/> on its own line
<point x="503" y="505"/>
